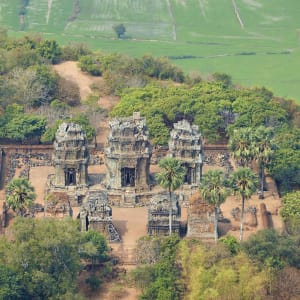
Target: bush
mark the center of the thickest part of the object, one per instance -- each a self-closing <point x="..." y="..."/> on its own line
<point x="93" y="282"/>
<point x="75" y="52"/>
<point x="68" y="92"/>
<point x="90" y="64"/>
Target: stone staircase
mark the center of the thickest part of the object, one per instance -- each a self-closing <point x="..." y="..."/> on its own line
<point x="126" y="254"/>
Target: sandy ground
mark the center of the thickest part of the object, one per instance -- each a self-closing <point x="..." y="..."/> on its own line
<point x="70" y="71"/>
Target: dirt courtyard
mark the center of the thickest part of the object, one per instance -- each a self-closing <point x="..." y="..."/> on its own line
<point x="132" y="222"/>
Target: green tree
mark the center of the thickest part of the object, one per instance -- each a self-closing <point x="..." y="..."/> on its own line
<point x="243" y="182"/>
<point x="231" y="244"/>
<point x="17" y="125"/>
<point x="45" y="254"/>
<point x="94" y="247"/>
<point x="20" y="195"/>
<point x="119" y="30"/>
<point x="241" y="145"/>
<point x="50" y="50"/>
<point x="291" y="212"/>
<point x="272" y="249"/>
<point x="285" y="164"/>
<point x="25" y="128"/>
<point x="224" y="78"/>
<point x="214" y="192"/>
<point x="210" y="272"/>
<point x="171" y="177"/>
<point x="263" y="150"/>
<point x="161" y="280"/>
<point x="91" y="64"/>
<point x="257" y="107"/>
<point x="10" y="284"/>
<point x="42" y="259"/>
<point x="49" y="82"/>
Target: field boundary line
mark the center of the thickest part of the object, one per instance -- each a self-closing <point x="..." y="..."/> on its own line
<point x="173" y="20"/>
<point x="48" y="11"/>
<point x="202" y="4"/>
<point x="236" y="11"/>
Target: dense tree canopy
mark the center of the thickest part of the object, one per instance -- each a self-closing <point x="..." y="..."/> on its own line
<point x="273" y="250"/>
<point x="161" y="280"/>
<point x="285" y="164"/>
<point x="44" y="259"/>
<point x="291" y="212"/>
<point x="20" y="126"/>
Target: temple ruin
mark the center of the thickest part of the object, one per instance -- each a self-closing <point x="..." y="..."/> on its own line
<point x="70" y="160"/>
<point x="158" y="215"/>
<point x="127" y="159"/>
<point x="185" y="144"/>
<point x="200" y="219"/>
<point x="70" y="156"/>
<point x="96" y="214"/>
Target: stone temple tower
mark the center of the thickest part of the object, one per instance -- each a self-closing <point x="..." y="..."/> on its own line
<point x="185" y="144"/>
<point x="128" y="154"/>
<point x="70" y="157"/>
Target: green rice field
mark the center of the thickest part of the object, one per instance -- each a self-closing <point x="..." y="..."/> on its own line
<point x="255" y="41"/>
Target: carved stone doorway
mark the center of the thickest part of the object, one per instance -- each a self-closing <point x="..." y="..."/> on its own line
<point x="70" y="176"/>
<point x="188" y="175"/>
<point x="128" y="177"/>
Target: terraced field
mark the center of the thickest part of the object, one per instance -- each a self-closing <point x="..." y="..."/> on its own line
<point x="255" y="41"/>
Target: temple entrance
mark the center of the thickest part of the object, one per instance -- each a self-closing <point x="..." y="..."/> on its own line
<point x="70" y="177"/>
<point x="128" y="177"/>
<point x="188" y="175"/>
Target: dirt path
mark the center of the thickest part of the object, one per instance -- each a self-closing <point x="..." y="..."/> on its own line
<point x="70" y="71"/>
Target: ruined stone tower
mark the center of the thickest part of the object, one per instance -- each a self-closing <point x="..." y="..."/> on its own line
<point x="96" y="214"/>
<point x="128" y="153"/>
<point x="185" y="144"/>
<point x="200" y="219"/>
<point x="70" y="157"/>
<point x="127" y="159"/>
<point x="158" y="215"/>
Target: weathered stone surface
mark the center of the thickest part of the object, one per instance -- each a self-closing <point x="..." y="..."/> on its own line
<point x="250" y="216"/>
<point x="96" y="214"/>
<point x="265" y="216"/>
<point x="58" y="204"/>
<point x="71" y="156"/>
<point x="127" y="158"/>
<point x="200" y="219"/>
<point x="185" y="144"/>
<point x="158" y="214"/>
<point x="4" y="215"/>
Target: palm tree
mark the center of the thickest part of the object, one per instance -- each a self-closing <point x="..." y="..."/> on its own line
<point x="241" y="146"/>
<point x="243" y="181"/>
<point x="20" y="195"/>
<point x="263" y="150"/>
<point x="171" y="177"/>
<point x="214" y="192"/>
